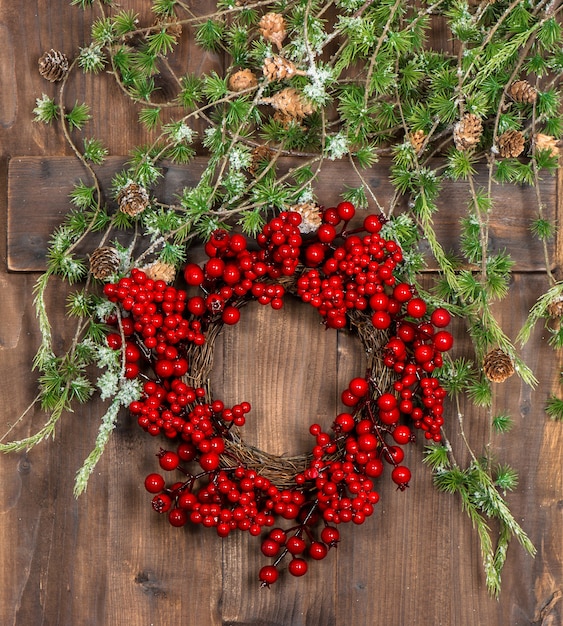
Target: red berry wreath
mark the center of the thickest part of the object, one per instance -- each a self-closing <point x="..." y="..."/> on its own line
<point x="350" y="277"/>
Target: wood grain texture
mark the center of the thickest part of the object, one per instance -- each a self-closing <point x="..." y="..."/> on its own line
<point x="107" y="559"/>
<point x="39" y="188"/>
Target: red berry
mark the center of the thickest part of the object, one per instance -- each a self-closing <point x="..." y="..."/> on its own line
<point x="440" y="318"/>
<point x="297" y="567"/>
<point x="270" y="547"/>
<point x="114" y="341"/>
<point x="169" y="461"/>
<point x="374" y="468"/>
<point x="164" y="368"/>
<point x="443" y="341"/>
<point x="196" y="305"/>
<point x="268" y="575"/>
<point x="177" y="517"/>
<point x="402" y="292"/>
<point x="330" y="535"/>
<point x="349" y="399"/>
<point x="209" y="461"/>
<point x="231" y="315"/>
<point x="214" y="268"/>
<point x="381" y="320"/>
<point x="154" y="483"/>
<point x="278" y="535"/>
<point x="314" y="254"/>
<point x="296" y="545"/>
<point x="402" y="434"/>
<point x="372" y="224"/>
<point x="193" y="274"/>
<point x="423" y="353"/>
<point x="318" y="550"/>
<point x="326" y="233"/>
<point x="132" y="370"/>
<point x="162" y="503"/>
<point x="416" y="307"/>
<point x="359" y="386"/>
<point x="401" y="476"/>
<point x="346" y="211"/>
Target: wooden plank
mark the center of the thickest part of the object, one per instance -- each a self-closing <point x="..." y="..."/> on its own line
<point x="108" y="559"/>
<point x="39" y="188"/>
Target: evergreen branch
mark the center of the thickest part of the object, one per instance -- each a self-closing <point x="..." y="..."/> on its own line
<point x="539" y="310"/>
<point x="48" y="430"/>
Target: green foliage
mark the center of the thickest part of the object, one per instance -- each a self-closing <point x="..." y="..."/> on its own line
<point x="478" y="487"/>
<point x="83" y="196"/>
<point x="46" y="110"/>
<point x="372" y="80"/>
<point x="554" y="408"/>
<point x="92" y="59"/>
<point x="94" y="151"/>
<point x="78" y="116"/>
<point x="502" y="423"/>
<point x="209" y="35"/>
<point x="150" y="117"/>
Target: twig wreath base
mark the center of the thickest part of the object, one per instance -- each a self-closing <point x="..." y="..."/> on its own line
<point x="351" y="278"/>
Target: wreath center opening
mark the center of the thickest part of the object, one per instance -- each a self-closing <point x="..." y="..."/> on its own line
<point x="290" y="369"/>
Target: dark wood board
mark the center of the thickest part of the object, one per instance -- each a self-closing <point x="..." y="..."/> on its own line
<point x="39" y="188"/>
<point x="107" y="559"/>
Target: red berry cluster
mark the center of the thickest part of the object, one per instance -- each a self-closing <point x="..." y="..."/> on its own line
<point x="233" y="273"/>
<point x="352" y="275"/>
<point x="344" y="273"/>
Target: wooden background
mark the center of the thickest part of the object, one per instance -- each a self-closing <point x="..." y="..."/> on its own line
<point x="107" y="559"/>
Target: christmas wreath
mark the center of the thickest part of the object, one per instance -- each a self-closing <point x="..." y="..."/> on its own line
<point x="303" y="84"/>
<point x="350" y="277"/>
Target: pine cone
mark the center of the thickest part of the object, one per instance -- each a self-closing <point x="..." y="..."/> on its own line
<point x="555" y="308"/>
<point x="242" y="80"/>
<point x="171" y="25"/>
<point x="310" y="216"/>
<point x="417" y="140"/>
<point x="133" y="199"/>
<point x="289" y="102"/>
<point x="467" y="132"/>
<point x="104" y="262"/>
<point x="278" y="68"/>
<point x="53" y="65"/>
<point x="160" y="271"/>
<point x="286" y="120"/>
<point x="272" y="28"/>
<point x="497" y="366"/>
<point x="548" y="143"/>
<point x="511" y="144"/>
<point x="259" y="155"/>
<point x="522" y="91"/>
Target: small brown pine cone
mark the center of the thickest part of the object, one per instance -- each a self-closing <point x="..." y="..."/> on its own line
<point x="311" y="217"/>
<point x="104" y="262"/>
<point x="522" y="91"/>
<point x="133" y="199"/>
<point x="467" y="132"/>
<point x="289" y="102"/>
<point x="160" y="271"/>
<point x="260" y="154"/>
<point x="286" y="120"/>
<point x="548" y="143"/>
<point x="53" y="65"/>
<point x="511" y="144"/>
<point x="417" y="140"/>
<point x="497" y="366"/>
<point x="278" y="68"/>
<point x="242" y="80"/>
<point x="272" y="28"/>
<point x="171" y="25"/>
<point x="555" y="308"/>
